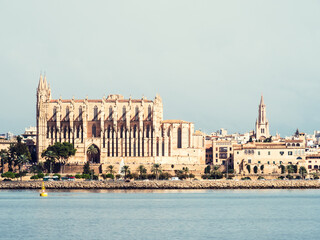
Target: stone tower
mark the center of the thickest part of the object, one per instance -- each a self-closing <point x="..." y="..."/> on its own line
<point x="43" y="97"/>
<point x="262" y="124"/>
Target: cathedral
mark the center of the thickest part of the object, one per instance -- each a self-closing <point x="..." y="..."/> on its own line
<point x="131" y="131"/>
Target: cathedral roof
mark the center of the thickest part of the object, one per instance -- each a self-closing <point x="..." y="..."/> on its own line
<point x="174" y="121"/>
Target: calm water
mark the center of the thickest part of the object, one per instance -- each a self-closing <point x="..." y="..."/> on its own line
<point x="234" y="214"/>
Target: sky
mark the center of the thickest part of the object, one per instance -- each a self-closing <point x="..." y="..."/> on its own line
<point x="209" y="60"/>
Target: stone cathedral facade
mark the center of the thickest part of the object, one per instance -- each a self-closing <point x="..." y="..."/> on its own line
<point x="122" y="130"/>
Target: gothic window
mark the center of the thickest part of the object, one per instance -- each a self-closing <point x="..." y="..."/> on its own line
<point x="121" y="132"/>
<point x="110" y="113"/>
<point x="65" y="132"/>
<point x="135" y="131"/>
<point x="148" y="130"/>
<point x="51" y="132"/>
<point x="179" y="145"/>
<point x="169" y="132"/>
<point x="94" y="130"/>
<point x="54" y="115"/>
<point x="137" y="114"/>
<point x="124" y="113"/>
<point x="262" y="130"/>
<point x="149" y="113"/>
<point x="80" y="113"/>
<point x="67" y="114"/>
<point x="95" y="113"/>
<point x="109" y="131"/>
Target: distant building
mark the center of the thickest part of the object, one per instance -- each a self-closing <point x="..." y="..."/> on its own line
<point x="266" y="158"/>
<point x="262" y="124"/>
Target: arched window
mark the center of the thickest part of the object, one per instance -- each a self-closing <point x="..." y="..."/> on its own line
<point x="121" y="132"/>
<point x="51" y="132"/>
<point x="262" y="130"/>
<point x="169" y="132"/>
<point x="109" y="131"/>
<point x="110" y="113"/>
<point x="65" y="132"/>
<point x="80" y="113"/>
<point x="179" y="144"/>
<point x="94" y="131"/>
<point x="95" y="113"/>
<point x="135" y="131"/>
<point x="67" y="114"/>
<point x="148" y="130"/>
<point x="54" y="115"/>
<point x="137" y="113"/>
<point x="124" y="113"/>
<point x="149" y="113"/>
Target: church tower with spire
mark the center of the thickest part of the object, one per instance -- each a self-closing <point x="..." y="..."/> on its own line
<point x="43" y="97"/>
<point x="262" y="124"/>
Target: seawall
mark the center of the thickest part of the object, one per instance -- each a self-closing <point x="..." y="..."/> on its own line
<point x="213" y="184"/>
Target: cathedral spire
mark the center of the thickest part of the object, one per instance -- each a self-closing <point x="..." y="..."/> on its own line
<point x="40" y="85"/>
<point x="261" y="101"/>
<point x="45" y="84"/>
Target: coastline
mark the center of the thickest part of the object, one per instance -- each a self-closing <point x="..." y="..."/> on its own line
<point x="165" y="185"/>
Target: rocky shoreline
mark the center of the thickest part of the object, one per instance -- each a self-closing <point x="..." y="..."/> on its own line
<point x="136" y="185"/>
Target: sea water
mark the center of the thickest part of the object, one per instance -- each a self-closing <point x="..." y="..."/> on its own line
<point x="213" y="214"/>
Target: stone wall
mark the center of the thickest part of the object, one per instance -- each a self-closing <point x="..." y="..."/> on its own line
<point x="216" y="184"/>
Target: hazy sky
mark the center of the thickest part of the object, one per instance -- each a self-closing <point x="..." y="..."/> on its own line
<point x="209" y="60"/>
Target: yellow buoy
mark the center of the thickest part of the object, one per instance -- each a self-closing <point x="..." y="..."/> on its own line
<point x="43" y="192"/>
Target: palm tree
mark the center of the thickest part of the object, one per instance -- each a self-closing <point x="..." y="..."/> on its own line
<point x="34" y="169"/>
<point x="125" y="169"/>
<point x="20" y="161"/>
<point x="111" y="170"/>
<point x="303" y="172"/>
<point x="51" y="158"/>
<point x="92" y="150"/>
<point x="142" y="170"/>
<point x="156" y="169"/>
<point x="4" y="155"/>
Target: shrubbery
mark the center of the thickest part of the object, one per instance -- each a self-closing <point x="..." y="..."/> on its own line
<point x="10" y="175"/>
<point x="246" y="178"/>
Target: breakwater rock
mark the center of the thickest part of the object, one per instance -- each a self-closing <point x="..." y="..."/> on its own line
<point x="206" y="184"/>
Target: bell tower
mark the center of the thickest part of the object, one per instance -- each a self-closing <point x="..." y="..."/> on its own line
<point x="262" y="124"/>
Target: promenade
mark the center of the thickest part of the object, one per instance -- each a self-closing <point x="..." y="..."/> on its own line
<point x="206" y="184"/>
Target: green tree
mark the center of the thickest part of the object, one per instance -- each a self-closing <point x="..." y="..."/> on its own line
<point x="20" y="161"/>
<point x="50" y="157"/>
<point x="126" y="170"/>
<point x="111" y="169"/>
<point x="92" y="150"/>
<point x="142" y="171"/>
<point x="303" y="172"/>
<point x="291" y="169"/>
<point x="63" y="151"/>
<point x="4" y="155"/>
<point x="216" y="173"/>
<point x="156" y="169"/>
<point x="15" y="150"/>
<point x="86" y="168"/>
<point x="207" y="169"/>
